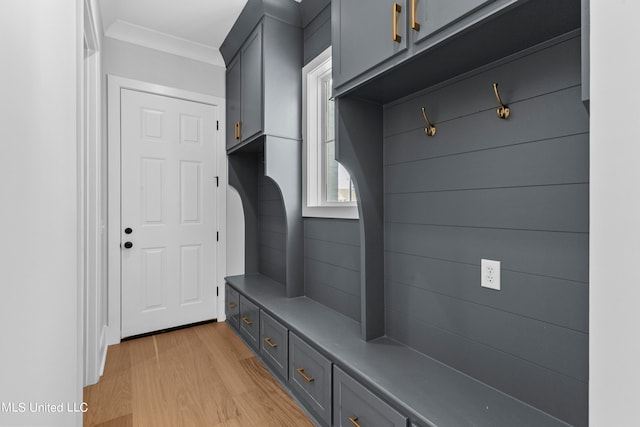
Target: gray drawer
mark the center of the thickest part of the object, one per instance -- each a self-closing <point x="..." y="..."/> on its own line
<point x="310" y="377"/>
<point x="274" y="344"/>
<point x="232" y="306"/>
<point x="354" y="405"/>
<point x="250" y="322"/>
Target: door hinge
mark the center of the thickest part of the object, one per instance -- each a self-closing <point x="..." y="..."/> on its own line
<point x="217" y="125"/>
<point x="217" y="236"/>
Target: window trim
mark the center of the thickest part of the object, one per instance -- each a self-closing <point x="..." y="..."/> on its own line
<point x="312" y="159"/>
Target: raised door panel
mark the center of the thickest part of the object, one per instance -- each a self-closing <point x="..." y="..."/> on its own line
<point x="233" y="102"/>
<point x="251" y="82"/>
<point x="364" y="35"/>
<point x="435" y="15"/>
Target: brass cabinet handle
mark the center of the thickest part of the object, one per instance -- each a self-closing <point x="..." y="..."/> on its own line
<point x="394" y="22"/>
<point x="246" y="320"/>
<point x="231" y="304"/>
<point x="239" y="129"/>
<point x="269" y="343"/>
<point x="354" y="421"/>
<point x="306" y="377"/>
<point x="236" y="131"/>
<point x="414" y="24"/>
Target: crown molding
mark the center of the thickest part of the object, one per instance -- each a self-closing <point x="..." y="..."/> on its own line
<point x="142" y="36"/>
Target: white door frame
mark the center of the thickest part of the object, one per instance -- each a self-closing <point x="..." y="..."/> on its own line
<point x="115" y="85"/>
<point x="91" y="206"/>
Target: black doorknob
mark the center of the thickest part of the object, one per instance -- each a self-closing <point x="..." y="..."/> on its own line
<point x="128" y="230"/>
<point x="128" y="245"/>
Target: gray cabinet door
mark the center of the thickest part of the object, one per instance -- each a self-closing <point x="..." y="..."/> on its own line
<point x="310" y="377"/>
<point x="232" y="306"/>
<point x="363" y="35"/>
<point x="250" y="322"/>
<point x="233" y="102"/>
<point x="274" y="346"/>
<point x="354" y="405"/>
<point x="251" y="83"/>
<point x="436" y="15"/>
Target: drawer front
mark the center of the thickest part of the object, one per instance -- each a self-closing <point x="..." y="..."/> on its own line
<point x="310" y="377"/>
<point x="274" y="344"/>
<point x="250" y="322"/>
<point x="354" y="405"/>
<point x="232" y="306"/>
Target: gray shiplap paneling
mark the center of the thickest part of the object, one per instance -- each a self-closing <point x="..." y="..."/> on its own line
<point x="271" y="225"/>
<point x="554" y="393"/>
<point x="550" y="208"/>
<point x="332" y="264"/>
<point x="512" y="190"/>
<point x="565" y="302"/>
<point x="565" y="350"/>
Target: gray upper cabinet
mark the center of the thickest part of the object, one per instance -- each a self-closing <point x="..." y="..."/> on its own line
<point x="427" y="17"/>
<point x="244" y="91"/>
<point x="263" y="53"/>
<point x="369" y="33"/>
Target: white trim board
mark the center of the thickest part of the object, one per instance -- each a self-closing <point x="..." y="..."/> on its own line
<point x="115" y="84"/>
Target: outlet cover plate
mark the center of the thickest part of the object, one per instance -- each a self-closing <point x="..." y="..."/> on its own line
<point x="490" y="271"/>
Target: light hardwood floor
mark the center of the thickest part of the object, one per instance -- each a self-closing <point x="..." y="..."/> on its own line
<point x="200" y="376"/>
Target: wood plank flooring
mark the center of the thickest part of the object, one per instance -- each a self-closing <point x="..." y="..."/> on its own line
<point x="200" y="376"/>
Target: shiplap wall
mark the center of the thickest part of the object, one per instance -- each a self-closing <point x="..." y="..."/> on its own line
<point x="331" y="246"/>
<point x="513" y="190"/>
<point x="271" y="228"/>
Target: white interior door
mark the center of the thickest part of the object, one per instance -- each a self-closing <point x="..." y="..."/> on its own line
<point x="168" y="212"/>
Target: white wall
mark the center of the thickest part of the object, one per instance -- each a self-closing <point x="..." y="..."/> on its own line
<point x="614" y="396"/>
<point x="140" y="63"/>
<point x="40" y="316"/>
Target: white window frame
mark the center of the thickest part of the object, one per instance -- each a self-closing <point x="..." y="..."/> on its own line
<point x="313" y="180"/>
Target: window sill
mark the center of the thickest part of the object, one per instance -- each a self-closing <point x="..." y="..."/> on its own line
<point x="340" y="212"/>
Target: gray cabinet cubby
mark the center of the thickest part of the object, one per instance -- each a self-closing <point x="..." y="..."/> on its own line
<point x="428" y="343"/>
<point x="263" y="53"/>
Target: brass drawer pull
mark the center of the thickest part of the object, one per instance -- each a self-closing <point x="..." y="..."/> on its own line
<point x="354" y="421"/>
<point x="414" y="24"/>
<point x="269" y="343"/>
<point x="394" y="24"/>
<point x="231" y="304"/>
<point x="306" y="377"/>
<point x="246" y="320"/>
<point x="239" y="129"/>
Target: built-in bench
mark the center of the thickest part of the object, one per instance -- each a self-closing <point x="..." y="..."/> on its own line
<point x="426" y="391"/>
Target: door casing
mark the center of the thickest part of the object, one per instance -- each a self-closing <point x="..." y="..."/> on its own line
<point x="115" y="84"/>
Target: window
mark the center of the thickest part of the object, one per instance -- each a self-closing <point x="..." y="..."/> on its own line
<point x="328" y="190"/>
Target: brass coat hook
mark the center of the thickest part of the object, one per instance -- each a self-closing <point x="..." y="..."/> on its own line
<point x="430" y="129"/>
<point x="502" y="111"/>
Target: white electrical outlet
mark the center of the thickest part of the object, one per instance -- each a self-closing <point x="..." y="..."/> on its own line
<point x="490" y="271"/>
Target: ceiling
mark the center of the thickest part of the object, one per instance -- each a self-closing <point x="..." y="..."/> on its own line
<point x="191" y="28"/>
